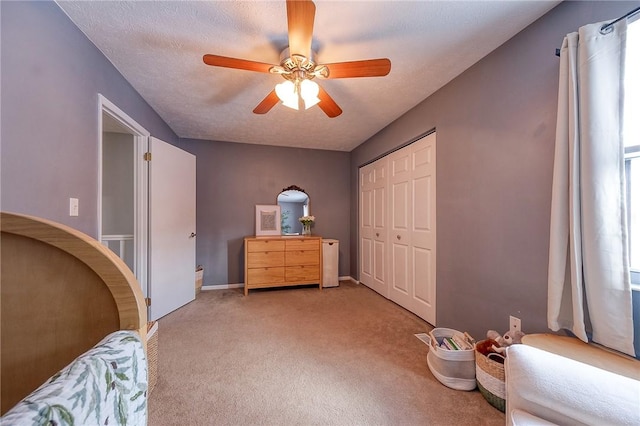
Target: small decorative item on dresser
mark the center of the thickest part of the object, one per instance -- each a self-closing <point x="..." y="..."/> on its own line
<point x="307" y="221"/>
<point x="268" y="220"/>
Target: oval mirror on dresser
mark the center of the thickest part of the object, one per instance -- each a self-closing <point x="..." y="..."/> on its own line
<point x="294" y="203"/>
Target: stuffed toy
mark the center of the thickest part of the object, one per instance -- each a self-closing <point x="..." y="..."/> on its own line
<point x="485" y="347"/>
<point x="509" y="338"/>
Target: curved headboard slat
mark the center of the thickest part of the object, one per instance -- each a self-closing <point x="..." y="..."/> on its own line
<point x="62" y="292"/>
<point x="114" y="272"/>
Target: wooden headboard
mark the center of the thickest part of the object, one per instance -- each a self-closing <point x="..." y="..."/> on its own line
<point x="62" y="292"/>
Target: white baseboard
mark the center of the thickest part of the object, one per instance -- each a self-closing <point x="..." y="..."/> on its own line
<point x="349" y="278"/>
<point x="222" y="286"/>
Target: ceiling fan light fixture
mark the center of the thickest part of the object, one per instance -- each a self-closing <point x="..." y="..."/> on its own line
<point x="292" y="93"/>
<point x="309" y="91"/>
<point x="286" y="91"/>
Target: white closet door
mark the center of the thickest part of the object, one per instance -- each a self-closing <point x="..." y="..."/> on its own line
<point x="423" y="231"/>
<point x="400" y="225"/>
<point x="172" y="226"/>
<point x="373" y="183"/>
<point x="412" y="230"/>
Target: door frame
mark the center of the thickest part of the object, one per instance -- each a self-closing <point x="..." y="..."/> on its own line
<point x="141" y="143"/>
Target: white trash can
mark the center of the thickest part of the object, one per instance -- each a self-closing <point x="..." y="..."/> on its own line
<point x="330" y="252"/>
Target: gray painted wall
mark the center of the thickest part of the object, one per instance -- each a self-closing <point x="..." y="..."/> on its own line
<point x="118" y="195"/>
<point x="232" y="178"/>
<point x="118" y="200"/>
<point x="51" y="77"/>
<point x="495" y="142"/>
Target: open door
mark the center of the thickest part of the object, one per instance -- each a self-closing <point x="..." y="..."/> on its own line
<point x="172" y="227"/>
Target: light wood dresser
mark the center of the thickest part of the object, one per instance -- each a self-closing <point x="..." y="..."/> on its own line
<point x="282" y="261"/>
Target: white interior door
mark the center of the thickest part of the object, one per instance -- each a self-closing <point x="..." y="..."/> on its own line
<point x="373" y="227"/>
<point x="172" y="227"/>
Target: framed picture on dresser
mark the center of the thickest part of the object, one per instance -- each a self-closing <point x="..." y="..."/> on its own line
<point x="267" y="219"/>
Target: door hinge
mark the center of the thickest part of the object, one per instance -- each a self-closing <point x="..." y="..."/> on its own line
<point x="147" y="156"/>
<point x="147" y="301"/>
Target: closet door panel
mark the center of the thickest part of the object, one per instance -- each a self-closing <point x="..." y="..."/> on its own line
<point x="400" y="272"/>
<point x="422" y="266"/>
<point x="379" y="257"/>
<point x="400" y="224"/>
<point x="366" y="261"/>
<point x="366" y="225"/>
<point x="423" y="232"/>
<point x="379" y="209"/>
<point x="373" y="228"/>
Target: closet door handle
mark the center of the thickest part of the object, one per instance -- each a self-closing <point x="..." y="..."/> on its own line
<point x="193" y="234"/>
<point x="377" y="234"/>
<point x="399" y="237"/>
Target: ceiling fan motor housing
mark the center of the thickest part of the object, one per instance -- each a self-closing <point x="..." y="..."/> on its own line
<point x="298" y="67"/>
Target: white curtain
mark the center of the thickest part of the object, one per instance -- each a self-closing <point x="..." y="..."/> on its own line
<point x="589" y="278"/>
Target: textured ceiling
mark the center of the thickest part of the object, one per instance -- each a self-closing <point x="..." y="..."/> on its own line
<point x="158" y="47"/>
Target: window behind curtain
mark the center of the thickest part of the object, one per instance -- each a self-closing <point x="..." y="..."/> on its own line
<point x="632" y="146"/>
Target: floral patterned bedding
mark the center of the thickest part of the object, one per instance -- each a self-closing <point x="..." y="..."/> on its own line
<point x="106" y="385"/>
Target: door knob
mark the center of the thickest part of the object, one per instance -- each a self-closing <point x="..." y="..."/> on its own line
<point x="377" y="234"/>
<point x="193" y="234"/>
<point x="398" y="237"/>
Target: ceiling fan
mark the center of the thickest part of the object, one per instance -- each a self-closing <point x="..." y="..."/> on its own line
<point x="298" y="66"/>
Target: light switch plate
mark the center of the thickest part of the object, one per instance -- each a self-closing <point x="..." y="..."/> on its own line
<point x="73" y="207"/>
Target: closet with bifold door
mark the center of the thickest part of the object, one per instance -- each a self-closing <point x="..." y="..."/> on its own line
<point x="397" y="226"/>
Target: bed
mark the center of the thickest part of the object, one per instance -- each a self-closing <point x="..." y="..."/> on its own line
<point x="65" y="298"/>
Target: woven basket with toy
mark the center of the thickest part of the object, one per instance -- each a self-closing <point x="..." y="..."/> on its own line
<point x="490" y="355"/>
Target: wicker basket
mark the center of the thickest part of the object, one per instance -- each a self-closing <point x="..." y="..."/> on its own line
<point x="490" y="378"/>
<point x="152" y="354"/>
<point x="199" y="276"/>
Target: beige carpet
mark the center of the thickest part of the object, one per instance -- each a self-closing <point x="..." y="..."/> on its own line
<point x="301" y="356"/>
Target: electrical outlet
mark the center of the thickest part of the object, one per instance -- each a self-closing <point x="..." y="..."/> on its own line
<point x="514" y="323"/>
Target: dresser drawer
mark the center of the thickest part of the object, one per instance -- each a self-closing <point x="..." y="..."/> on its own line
<point x="257" y="276"/>
<point x="305" y="273"/>
<point x="263" y="259"/>
<point x="303" y="244"/>
<point x="265" y="245"/>
<point x="302" y="257"/>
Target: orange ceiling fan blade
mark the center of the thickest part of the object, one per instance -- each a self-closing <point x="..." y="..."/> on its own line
<point x="365" y="68"/>
<point x="267" y="103"/>
<point x="300" y="17"/>
<point x="328" y="105"/>
<point x="240" y="64"/>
